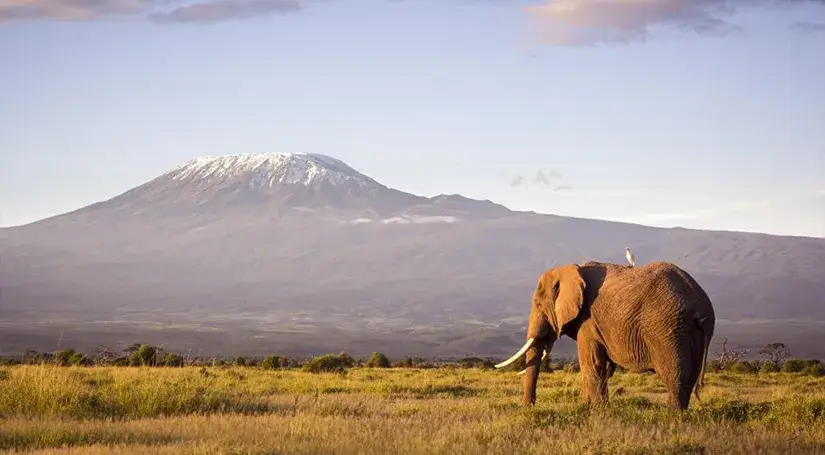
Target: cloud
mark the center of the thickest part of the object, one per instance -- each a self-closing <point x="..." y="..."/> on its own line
<point x="226" y="10"/>
<point x="585" y="22"/>
<point x="808" y="27"/>
<point x="68" y="10"/>
<point x="157" y="11"/>
<point x="541" y="179"/>
<point x="517" y="180"/>
<point x="563" y="188"/>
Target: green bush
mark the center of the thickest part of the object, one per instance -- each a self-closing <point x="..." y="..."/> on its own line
<point x="769" y="366"/>
<point x="378" y="360"/>
<point x="68" y="357"/>
<point x="329" y="363"/>
<point x="143" y="355"/>
<point x="814" y="369"/>
<point x="743" y="366"/>
<point x="412" y="362"/>
<point x="793" y="366"/>
<point x="714" y="366"/>
<point x="273" y="362"/>
<point x="172" y="360"/>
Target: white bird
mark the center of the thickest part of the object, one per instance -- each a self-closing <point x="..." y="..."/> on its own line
<point x="630" y="258"/>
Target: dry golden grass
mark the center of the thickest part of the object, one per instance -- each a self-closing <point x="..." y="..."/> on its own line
<point x="47" y="409"/>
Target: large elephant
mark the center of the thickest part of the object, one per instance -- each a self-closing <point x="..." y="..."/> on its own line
<point x="651" y="318"/>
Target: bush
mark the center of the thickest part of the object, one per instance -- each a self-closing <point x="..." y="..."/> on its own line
<point x="240" y="361"/>
<point x="378" y="360"/>
<point x="69" y="357"/>
<point x="814" y="369"/>
<point x="714" y="366"/>
<point x="475" y="362"/>
<point x="143" y="355"/>
<point x="172" y="360"/>
<point x="769" y="366"/>
<point x="329" y="363"/>
<point x="743" y="366"/>
<point x="793" y="366"/>
<point x="412" y="362"/>
<point x="273" y="362"/>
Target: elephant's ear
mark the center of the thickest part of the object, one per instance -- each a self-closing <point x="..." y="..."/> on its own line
<point x="569" y="293"/>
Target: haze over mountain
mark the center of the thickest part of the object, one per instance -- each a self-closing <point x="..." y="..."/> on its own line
<point x="305" y="245"/>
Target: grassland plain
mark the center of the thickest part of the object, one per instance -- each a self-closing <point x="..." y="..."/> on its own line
<point x="230" y="409"/>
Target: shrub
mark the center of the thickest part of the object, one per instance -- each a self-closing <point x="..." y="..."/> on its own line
<point x="792" y="366"/>
<point x="69" y="357"/>
<point x="329" y="363"/>
<point x="743" y="366"/>
<point x="769" y="366"/>
<point x="240" y="361"/>
<point x="814" y="369"/>
<point x="411" y="362"/>
<point x="172" y="360"/>
<point x="272" y="362"/>
<point x="378" y="360"/>
<point x="143" y="355"/>
<point x="475" y="362"/>
<point x="714" y="366"/>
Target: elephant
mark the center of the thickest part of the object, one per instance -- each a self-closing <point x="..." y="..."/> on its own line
<point x="651" y="318"/>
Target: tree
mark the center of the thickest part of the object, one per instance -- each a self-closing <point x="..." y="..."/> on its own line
<point x="378" y="360"/>
<point x="729" y="357"/>
<point x="775" y="352"/>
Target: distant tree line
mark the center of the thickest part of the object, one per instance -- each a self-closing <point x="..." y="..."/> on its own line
<point x="775" y="359"/>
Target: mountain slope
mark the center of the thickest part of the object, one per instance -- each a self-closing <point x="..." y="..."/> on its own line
<point x="306" y="243"/>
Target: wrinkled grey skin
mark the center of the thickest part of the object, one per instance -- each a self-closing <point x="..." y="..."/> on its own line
<point x="650" y="318"/>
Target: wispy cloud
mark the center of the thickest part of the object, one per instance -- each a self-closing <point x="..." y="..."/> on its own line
<point x="517" y="180"/>
<point x="69" y="10"/>
<point x="157" y="11"/>
<point x="563" y="188"/>
<point x="540" y="178"/>
<point x="809" y="27"/>
<point x="226" y="10"/>
<point x="586" y="22"/>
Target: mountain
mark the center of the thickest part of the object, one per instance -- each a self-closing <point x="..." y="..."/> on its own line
<point x="304" y="251"/>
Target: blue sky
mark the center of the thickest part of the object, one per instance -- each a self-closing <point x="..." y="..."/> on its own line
<point x="704" y="114"/>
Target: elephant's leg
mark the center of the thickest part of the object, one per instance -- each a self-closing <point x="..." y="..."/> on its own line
<point x="593" y="363"/>
<point x="675" y="368"/>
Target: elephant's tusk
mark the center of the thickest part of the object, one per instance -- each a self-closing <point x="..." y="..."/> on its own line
<point x="543" y="356"/>
<point x="527" y="345"/>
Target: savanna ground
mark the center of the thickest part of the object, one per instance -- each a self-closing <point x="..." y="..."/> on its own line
<point x="231" y="409"/>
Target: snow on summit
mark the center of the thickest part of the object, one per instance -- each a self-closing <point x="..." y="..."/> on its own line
<point x="270" y="169"/>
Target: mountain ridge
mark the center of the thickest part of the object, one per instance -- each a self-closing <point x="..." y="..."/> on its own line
<point x="361" y="262"/>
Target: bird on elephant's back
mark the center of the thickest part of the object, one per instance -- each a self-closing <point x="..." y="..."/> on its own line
<point x="650" y="318"/>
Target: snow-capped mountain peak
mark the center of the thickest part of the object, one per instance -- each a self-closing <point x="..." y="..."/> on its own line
<point x="270" y="169"/>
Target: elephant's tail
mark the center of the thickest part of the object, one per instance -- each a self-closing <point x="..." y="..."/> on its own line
<point x="707" y="333"/>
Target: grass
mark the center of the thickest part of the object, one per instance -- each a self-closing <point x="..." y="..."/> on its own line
<point x="240" y="410"/>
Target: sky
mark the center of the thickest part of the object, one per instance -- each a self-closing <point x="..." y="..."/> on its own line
<point x="706" y="114"/>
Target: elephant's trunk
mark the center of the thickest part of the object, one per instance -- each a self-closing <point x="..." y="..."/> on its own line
<point x="531" y="373"/>
<point x="539" y="328"/>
